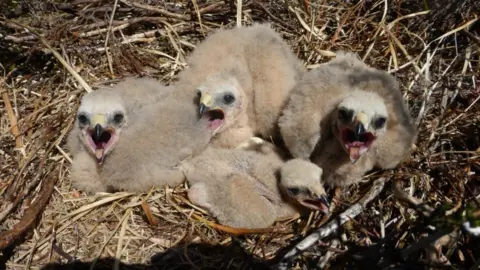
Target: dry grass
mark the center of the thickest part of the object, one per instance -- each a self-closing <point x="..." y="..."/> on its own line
<point x="434" y="56"/>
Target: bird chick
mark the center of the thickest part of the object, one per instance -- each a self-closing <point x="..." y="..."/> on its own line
<point x="238" y="187"/>
<point x="103" y="114"/>
<point x="347" y="118"/>
<point x="256" y="67"/>
<point x="99" y="124"/>
<point x="360" y="118"/>
<point x="120" y="142"/>
<point x="223" y="102"/>
<point x="300" y="180"/>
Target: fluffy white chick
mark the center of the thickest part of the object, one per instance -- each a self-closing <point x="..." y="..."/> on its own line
<point x="347" y="118"/>
<point x="301" y="181"/>
<point x="237" y="186"/>
<point x="119" y="142"/>
<point x="254" y="67"/>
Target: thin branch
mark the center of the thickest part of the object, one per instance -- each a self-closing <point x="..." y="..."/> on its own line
<point x="31" y="214"/>
<point x="239" y="13"/>
<point x="156" y="10"/>
<point x="13" y="119"/>
<point x="72" y="71"/>
<point x="333" y="225"/>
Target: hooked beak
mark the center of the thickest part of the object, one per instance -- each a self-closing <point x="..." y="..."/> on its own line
<point x="203" y="108"/>
<point x="320" y="203"/>
<point x="96" y="140"/>
<point x="359" y="129"/>
<point x="317" y="200"/>
<point x="324" y="205"/>
<point x="361" y="125"/>
<point x="205" y="103"/>
<point x="322" y="200"/>
<point x="97" y="132"/>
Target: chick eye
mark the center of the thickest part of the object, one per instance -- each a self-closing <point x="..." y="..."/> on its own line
<point x="344" y="114"/>
<point x="380" y="122"/>
<point x="228" y="98"/>
<point x="83" y="119"/>
<point x="118" y="118"/>
<point x="293" y="191"/>
<point x="199" y="93"/>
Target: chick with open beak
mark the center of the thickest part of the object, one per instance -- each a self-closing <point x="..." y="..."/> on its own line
<point x="220" y="100"/>
<point x="360" y="119"/>
<point x="300" y="180"/>
<point x="100" y="130"/>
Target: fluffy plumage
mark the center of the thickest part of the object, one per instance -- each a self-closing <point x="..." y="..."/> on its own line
<point x="238" y="186"/>
<point x="301" y="181"/>
<point x="256" y="67"/>
<point x="348" y="118"/>
<point x="142" y="147"/>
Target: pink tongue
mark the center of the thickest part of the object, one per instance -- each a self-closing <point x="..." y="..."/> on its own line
<point x="99" y="153"/>
<point x="215" y="123"/>
<point x="354" y="152"/>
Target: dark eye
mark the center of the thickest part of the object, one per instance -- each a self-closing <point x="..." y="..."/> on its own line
<point x="199" y="93"/>
<point x="82" y="119"/>
<point x="293" y="191"/>
<point x="345" y="115"/>
<point x="380" y="122"/>
<point x="118" y="118"/>
<point x="228" y="98"/>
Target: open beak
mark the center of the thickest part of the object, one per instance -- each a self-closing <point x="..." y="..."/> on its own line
<point x="361" y="125"/>
<point x="97" y="132"/>
<point x="100" y="138"/>
<point x="317" y="201"/>
<point x="205" y="103"/>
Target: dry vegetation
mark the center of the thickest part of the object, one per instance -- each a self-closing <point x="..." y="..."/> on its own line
<point x="434" y="54"/>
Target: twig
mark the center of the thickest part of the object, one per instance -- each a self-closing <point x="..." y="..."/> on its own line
<point x="11" y="206"/>
<point x="273" y="17"/>
<point x="57" y="55"/>
<point x="118" y="254"/>
<point x="238" y="231"/>
<point x="143" y="36"/>
<point x="109" y="31"/>
<point x="119" y="25"/>
<point x="20" y="39"/>
<point x="324" y="260"/>
<point x="199" y="17"/>
<point x="472" y="36"/>
<point x="94" y="262"/>
<point x="239" y="13"/>
<point x="332" y="226"/>
<point x="156" y="10"/>
<point x="423" y="243"/>
<point x="211" y="7"/>
<point x="31" y="214"/>
<point x="12" y="118"/>
<point x="146" y="208"/>
<point x="402" y="196"/>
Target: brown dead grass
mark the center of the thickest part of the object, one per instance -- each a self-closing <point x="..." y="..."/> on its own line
<point x="436" y="64"/>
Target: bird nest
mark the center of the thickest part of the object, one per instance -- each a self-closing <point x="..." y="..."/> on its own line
<point x="54" y="52"/>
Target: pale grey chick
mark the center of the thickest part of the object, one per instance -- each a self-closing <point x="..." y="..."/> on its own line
<point x="238" y="187"/>
<point x="251" y="69"/>
<point x="344" y="106"/>
<point x="301" y="181"/>
<point x="123" y="143"/>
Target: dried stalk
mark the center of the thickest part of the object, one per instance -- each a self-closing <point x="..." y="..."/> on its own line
<point x="57" y="55"/>
<point x="31" y="214"/>
<point x="13" y="120"/>
<point x="333" y="225"/>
